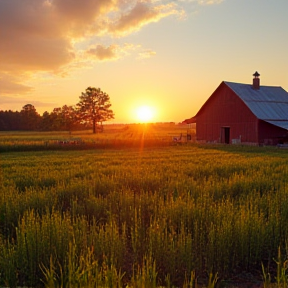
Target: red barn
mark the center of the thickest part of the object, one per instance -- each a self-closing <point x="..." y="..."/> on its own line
<point x="243" y="113"/>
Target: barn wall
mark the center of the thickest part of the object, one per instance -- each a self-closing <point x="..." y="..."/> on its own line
<point x="270" y="134"/>
<point x="225" y="109"/>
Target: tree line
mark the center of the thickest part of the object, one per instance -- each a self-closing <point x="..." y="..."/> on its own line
<point x="91" y="111"/>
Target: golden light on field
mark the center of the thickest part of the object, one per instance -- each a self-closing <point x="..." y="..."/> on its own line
<point x="144" y="114"/>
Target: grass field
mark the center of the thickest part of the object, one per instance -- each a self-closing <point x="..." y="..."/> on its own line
<point x="116" y="136"/>
<point x="141" y="215"/>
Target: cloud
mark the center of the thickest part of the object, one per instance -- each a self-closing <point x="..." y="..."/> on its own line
<point x="209" y="2"/>
<point x="114" y="52"/>
<point x="39" y="35"/>
<point x="33" y="39"/>
<point x="44" y="35"/>
<point x="11" y="85"/>
<point x="202" y="2"/>
<point x="147" y="54"/>
<point x="142" y="14"/>
<point x="104" y="53"/>
<point x="84" y="17"/>
<point x="16" y="103"/>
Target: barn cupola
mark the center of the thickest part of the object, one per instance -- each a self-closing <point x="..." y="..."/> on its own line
<point x="256" y="81"/>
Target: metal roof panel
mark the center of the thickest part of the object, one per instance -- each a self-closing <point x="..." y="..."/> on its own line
<point x="282" y="124"/>
<point x="268" y="103"/>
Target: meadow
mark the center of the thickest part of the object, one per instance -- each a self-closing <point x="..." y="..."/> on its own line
<point x="141" y="213"/>
<point x="117" y="135"/>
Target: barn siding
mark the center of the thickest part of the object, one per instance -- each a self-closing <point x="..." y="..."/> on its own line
<point x="225" y="109"/>
<point x="270" y="134"/>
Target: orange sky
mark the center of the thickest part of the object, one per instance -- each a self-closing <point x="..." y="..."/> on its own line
<point x="170" y="55"/>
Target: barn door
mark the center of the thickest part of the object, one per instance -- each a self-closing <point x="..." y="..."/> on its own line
<point x="225" y="135"/>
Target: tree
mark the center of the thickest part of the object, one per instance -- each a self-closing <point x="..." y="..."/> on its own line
<point x="45" y="124"/>
<point x="29" y="117"/>
<point x="10" y="120"/>
<point x="94" y="107"/>
<point x="68" y="117"/>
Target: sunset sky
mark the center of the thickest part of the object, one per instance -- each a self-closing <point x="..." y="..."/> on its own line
<point x="169" y="55"/>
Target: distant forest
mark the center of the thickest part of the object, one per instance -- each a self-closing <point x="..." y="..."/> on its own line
<point x="28" y="119"/>
<point x="91" y="111"/>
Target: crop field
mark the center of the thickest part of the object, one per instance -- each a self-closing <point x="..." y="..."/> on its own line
<point x="114" y="136"/>
<point x="141" y="215"/>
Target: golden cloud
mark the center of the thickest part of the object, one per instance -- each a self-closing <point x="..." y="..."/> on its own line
<point x="147" y="54"/>
<point x="42" y="35"/>
<point x="141" y="14"/>
<point x="10" y="85"/>
<point x="104" y="53"/>
<point x="39" y="34"/>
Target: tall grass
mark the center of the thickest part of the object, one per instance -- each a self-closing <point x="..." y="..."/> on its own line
<point x="180" y="216"/>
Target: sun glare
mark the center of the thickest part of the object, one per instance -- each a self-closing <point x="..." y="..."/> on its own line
<point x="144" y="114"/>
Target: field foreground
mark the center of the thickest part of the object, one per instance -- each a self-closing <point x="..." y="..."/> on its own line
<point x="169" y="216"/>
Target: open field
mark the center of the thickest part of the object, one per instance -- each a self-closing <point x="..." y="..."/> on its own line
<point x="116" y="136"/>
<point x="142" y="215"/>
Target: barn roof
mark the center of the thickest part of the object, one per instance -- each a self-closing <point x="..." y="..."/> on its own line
<point x="268" y="103"/>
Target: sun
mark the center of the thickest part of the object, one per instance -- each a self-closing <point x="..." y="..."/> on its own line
<point x="144" y="114"/>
